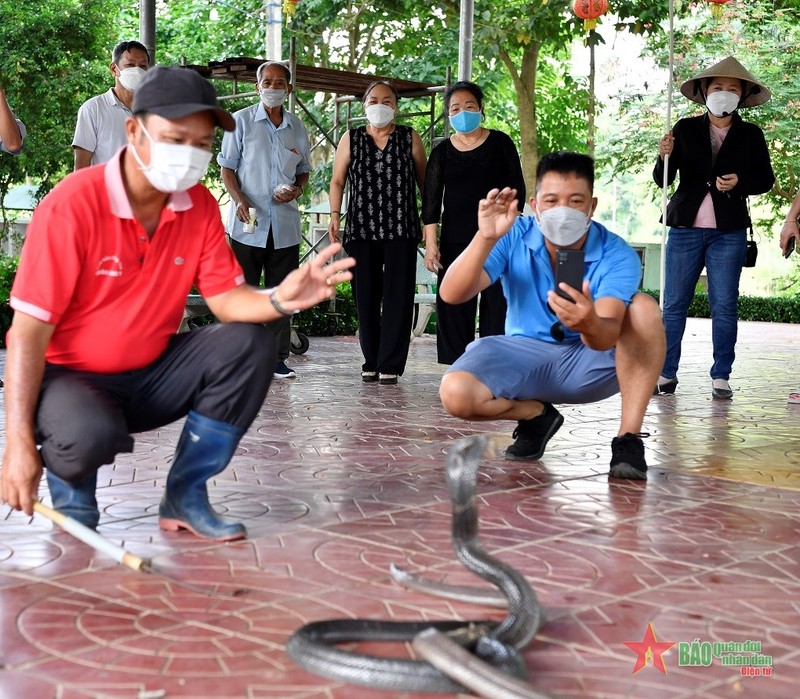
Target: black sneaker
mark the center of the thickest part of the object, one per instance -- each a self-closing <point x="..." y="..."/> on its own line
<point x="533" y="435"/>
<point x="627" y="457"/>
<point x="283" y="372"/>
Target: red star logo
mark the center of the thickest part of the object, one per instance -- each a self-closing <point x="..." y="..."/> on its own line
<point x="649" y="648"/>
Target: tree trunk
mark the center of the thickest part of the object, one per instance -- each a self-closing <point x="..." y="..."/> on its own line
<point x="525" y="87"/>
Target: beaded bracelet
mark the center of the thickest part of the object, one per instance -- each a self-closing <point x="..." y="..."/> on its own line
<point x="273" y="297"/>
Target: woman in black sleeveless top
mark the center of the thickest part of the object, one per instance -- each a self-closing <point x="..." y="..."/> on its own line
<point x="383" y="164"/>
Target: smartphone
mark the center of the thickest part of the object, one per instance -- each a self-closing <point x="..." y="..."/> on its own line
<point x="569" y="269"/>
<point x="789" y="247"/>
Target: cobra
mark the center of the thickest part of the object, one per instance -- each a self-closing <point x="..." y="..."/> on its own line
<point x="480" y="655"/>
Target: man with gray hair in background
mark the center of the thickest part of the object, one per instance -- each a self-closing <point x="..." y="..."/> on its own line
<point x="265" y="164"/>
<point x="100" y="131"/>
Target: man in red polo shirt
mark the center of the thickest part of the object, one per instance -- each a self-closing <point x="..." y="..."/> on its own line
<point x="108" y="260"/>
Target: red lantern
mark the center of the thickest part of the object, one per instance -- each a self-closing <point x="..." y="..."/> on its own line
<point x="716" y="7"/>
<point x="590" y="10"/>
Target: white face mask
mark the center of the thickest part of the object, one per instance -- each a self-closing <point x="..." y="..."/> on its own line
<point x="722" y="104"/>
<point x="130" y="78"/>
<point x="563" y="225"/>
<point x="273" y="98"/>
<point x="174" y="167"/>
<point x="379" y="115"/>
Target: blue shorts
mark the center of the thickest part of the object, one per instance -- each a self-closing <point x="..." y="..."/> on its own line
<point x="522" y="368"/>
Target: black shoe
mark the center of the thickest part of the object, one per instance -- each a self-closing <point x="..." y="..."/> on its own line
<point x="721" y="390"/>
<point x="627" y="457"/>
<point x="665" y="387"/>
<point x="283" y="372"/>
<point x="533" y="435"/>
<point x="369" y="376"/>
<point x="387" y="379"/>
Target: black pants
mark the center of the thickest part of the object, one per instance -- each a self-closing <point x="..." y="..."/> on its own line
<point x="455" y="323"/>
<point x="275" y="265"/>
<point x="384" y="280"/>
<point x="84" y="420"/>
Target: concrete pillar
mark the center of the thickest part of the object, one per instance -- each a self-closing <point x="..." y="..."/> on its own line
<point x="147" y="27"/>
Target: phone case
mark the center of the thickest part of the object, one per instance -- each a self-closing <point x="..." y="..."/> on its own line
<point x="569" y="269"/>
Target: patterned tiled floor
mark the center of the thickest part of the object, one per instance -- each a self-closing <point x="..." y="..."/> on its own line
<point x="336" y="480"/>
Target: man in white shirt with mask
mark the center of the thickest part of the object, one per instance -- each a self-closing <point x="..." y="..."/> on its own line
<point x="100" y="130"/>
<point x="265" y="165"/>
<point x="605" y="338"/>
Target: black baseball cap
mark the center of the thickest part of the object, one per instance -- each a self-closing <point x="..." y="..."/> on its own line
<point x="174" y="93"/>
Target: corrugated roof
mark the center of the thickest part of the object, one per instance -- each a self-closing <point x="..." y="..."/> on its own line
<point x="340" y="82"/>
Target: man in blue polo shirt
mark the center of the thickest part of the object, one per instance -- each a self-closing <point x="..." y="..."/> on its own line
<point x="608" y="339"/>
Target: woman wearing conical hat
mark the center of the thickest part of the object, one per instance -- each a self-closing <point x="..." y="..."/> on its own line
<point x="721" y="160"/>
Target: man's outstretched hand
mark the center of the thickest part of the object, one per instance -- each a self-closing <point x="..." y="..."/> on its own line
<point x="315" y="281"/>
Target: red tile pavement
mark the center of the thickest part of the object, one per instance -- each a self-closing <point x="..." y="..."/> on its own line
<point x="337" y="479"/>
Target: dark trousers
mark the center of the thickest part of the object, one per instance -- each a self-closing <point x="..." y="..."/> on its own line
<point x="220" y="371"/>
<point x="275" y="265"/>
<point x="384" y="280"/>
<point x="455" y="323"/>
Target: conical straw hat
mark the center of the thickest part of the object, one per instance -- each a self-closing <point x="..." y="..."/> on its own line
<point x="754" y="92"/>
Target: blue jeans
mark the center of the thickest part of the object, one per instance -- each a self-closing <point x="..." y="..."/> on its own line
<point x="722" y="253"/>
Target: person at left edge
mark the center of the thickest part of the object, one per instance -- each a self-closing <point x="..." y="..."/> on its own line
<point x="12" y="130"/>
<point x="108" y="260"/>
<point x="265" y="163"/>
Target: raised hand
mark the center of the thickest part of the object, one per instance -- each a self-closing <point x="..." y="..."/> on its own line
<point x="579" y="315"/>
<point x="497" y="213"/>
<point x="315" y="281"/>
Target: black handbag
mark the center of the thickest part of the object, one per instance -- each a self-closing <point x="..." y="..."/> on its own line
<point x="752" y="250"/>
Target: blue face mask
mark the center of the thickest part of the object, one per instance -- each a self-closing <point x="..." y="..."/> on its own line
<point x="465" y="122"/>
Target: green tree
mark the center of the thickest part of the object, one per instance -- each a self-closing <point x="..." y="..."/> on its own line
<point x="521" y="41"/>
<point x="55" y="54"/>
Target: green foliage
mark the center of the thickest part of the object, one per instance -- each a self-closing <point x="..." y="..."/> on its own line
<point x="561" y="106"/>
<point x="757" y="308"/>
<point x="226" y="32"/>
<point x="55" y="55"/>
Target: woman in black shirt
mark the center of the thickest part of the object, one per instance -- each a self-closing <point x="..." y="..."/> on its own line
<point x="460" y="171"/>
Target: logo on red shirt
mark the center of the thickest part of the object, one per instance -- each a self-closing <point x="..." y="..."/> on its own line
<point x="110" y="266"/>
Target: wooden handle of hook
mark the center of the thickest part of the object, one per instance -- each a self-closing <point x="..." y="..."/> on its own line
<point x="92" y="538"/>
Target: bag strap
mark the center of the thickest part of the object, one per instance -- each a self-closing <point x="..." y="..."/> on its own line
<point x="749" y="217"/>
